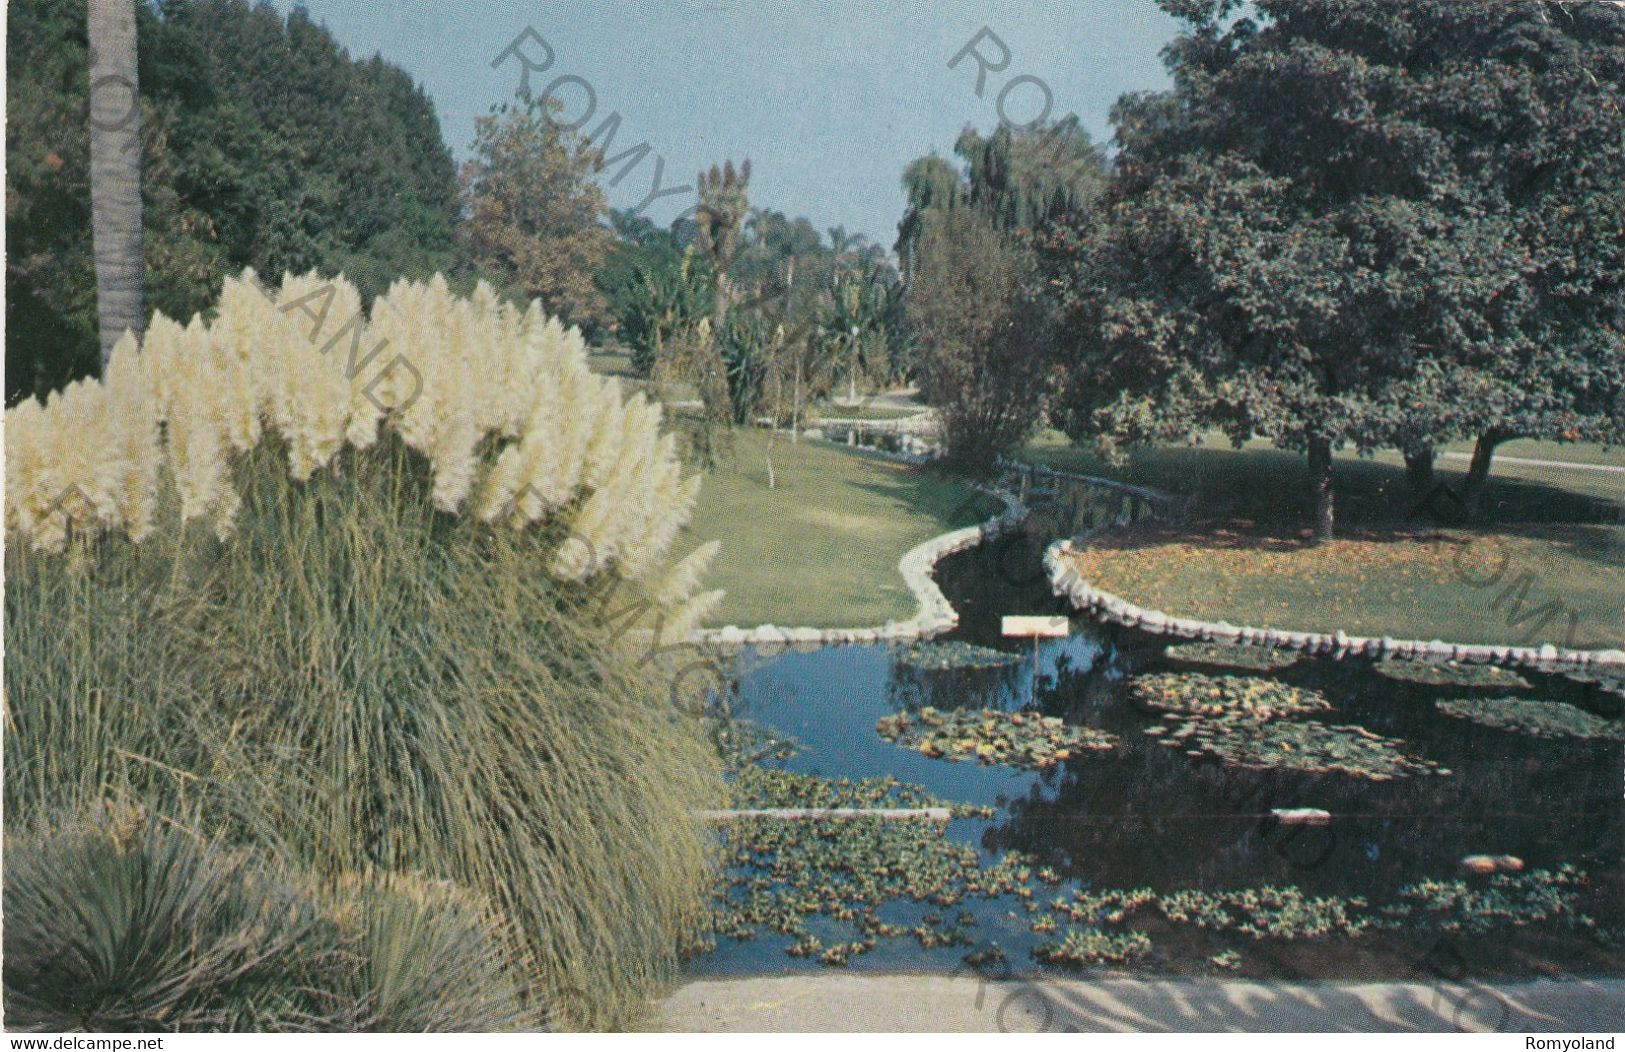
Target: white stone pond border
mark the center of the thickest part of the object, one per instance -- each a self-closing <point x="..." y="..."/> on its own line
<point x="935" y="615"/>
<point x="1065" y="581"/>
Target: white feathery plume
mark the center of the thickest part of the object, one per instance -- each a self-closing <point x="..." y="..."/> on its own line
<point x="306" y="362"/>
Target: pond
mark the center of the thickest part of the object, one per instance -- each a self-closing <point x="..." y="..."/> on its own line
<point x="1167" y="859"/>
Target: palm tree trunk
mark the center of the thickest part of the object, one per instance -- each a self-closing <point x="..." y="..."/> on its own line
<point x="115" y="172"/>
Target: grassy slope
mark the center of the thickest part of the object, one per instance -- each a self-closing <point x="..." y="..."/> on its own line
<point x="1392" y="573"/>
<point x="821" y="548"/>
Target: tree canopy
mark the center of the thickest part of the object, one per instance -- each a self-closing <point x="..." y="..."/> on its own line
<point x="1356" y="222"/>
<point x="263" y="144"/>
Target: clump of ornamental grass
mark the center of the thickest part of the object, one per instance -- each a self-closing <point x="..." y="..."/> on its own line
<point x="115" y="923"/>
<point x="117" y="920"/>
<point x="413" y="639"/>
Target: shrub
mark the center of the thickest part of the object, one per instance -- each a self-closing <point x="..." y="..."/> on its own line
<point x="428" y="961"/>
<point x="116" y="921"/>
<point x="263" y="602"/>
<point x="983" y="337"/>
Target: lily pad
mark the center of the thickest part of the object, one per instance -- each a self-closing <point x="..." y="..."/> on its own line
<point x="1267" y="912"/>
<point x="954" y="654"/>
<point x="1508" y="900"/>
<point x="1198" y="694"/>
<point x="1428" y="674"/>
<point x="992" y="736"/>
<point x="1299" y="745"/>
<point x="777" y="874"/>
<point x="1255" y="659"/>
<point x="1540" y="719"/>
<point x="1084" y="946"/>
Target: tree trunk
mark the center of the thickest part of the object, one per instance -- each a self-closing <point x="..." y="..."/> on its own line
<point x="1320" y="481"/>
<point x="852" y="383"/>
<point x="1478" y="472"/>
<point x="115" y="172"/>
<point x="1419" y="471"/>
<point x="719" y="307"/>
<point x="795" y="410"/>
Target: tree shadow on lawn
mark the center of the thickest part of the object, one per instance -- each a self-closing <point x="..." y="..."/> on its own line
<point x="1271" y="486"/>
<point x="1601" y="544"/>
<point x="943" y="496"/>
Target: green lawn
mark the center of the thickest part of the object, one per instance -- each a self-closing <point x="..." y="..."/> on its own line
<point x="1246" y="558"/>
<point x="821" y="548"/>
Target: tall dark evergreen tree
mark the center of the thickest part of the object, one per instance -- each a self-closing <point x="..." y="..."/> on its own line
<point x="262" y="143"/>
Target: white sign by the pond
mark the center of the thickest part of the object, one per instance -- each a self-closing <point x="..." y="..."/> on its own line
<point x="1045" y="626"/>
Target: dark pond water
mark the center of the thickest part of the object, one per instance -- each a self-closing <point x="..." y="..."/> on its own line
<point x="1144" y="815"/>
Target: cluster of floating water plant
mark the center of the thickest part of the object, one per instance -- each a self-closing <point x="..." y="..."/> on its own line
<point x="1450" y="674"/>
<point x="1084" y="946"/>
<point x="953" y="654"/>
<point x="1015" y="739"/>
<point x="1509" y="900"/>
<point x="761" y="787"/>
<point x="745" y="743"/>
<point x="1105" y="906"/>
<point x="1253" y="659"/>
<point x="1239" y="719"/>
<point x="1299" y="745"/>
<point x="1542" y="719"/>
<point x="1268" y="912"/>
<point x="1610" y="683"/>
<point x="781" y="876"/>
<point x="1200" y="695"/>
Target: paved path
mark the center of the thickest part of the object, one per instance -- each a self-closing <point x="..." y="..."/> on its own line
<point x="1566" y="465"/>
<point x="916" y="1003"/>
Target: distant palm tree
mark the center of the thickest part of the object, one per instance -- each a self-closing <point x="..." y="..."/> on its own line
<point x="115" y="172"/>
<point x="842" y="245"/>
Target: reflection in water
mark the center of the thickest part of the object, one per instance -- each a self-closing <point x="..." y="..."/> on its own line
<point x="1148" y="816"/>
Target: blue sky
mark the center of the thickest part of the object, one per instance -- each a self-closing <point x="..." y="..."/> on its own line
<point x="828" y="98"/>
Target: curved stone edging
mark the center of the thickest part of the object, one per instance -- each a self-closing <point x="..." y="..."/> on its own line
<point x="1065" y="581"/>
<point x="935" y="614"/>
<point x="1147" y="493"/>
<point x="889" y="423"/>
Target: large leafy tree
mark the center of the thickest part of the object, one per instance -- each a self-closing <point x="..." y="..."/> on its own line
<point x="983" y="334"/>
<point x="1026" y="178"/>
<point x="1349" y="223"/>
<point x="535" y="217"/>
<point x="979" y="324"/>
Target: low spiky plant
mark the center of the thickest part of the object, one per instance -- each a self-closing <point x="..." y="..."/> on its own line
<point x="117" y="920"/>
<point x="114" y="923"/>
